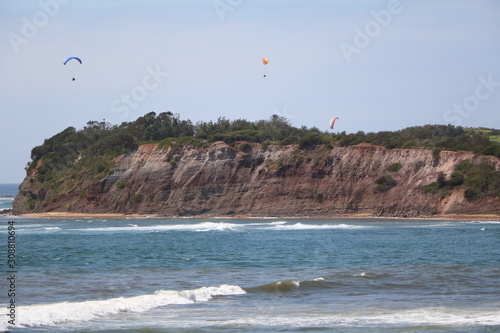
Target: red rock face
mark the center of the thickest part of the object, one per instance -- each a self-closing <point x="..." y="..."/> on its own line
<point x="275" y="181"/>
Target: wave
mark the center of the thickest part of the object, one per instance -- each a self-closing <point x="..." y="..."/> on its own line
<point x="421" y="319"/>
<point x="291" y="285"/>
<point x="203" y="226"/>
<point x="323" y="282"/>
<point x="482" y="222"/>
<point x="59" y="313"/>
<point x="52" y="228"/>
<point x="6" y="203"/>
<point x="219" y="226"/>
<point x="301" y="226"/>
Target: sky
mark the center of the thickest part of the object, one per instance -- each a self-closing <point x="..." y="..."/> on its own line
<point x="376" y="64"/>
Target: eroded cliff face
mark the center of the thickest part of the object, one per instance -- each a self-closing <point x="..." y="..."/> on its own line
<point x="275" y="181"/>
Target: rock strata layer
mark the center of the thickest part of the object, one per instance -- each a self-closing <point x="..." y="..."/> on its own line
<point x="263" y="181"/>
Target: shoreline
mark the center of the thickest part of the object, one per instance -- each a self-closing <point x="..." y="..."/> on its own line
<point x="66" y="215"/>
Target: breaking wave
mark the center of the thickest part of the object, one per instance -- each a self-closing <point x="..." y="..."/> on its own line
<point x="65" y="312"/>
<point x="291" y="285"/>
<point x="221" y="226"/>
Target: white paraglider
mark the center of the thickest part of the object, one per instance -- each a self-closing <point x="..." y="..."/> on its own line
<point x="332" y="122"/>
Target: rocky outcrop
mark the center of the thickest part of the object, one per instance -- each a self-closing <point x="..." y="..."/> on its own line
<point x="263" y="181"/>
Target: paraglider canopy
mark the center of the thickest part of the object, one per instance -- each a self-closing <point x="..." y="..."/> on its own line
<point x="332" y="122"/>
<point x="265" y="61"/>
<point x="70" y="58"/>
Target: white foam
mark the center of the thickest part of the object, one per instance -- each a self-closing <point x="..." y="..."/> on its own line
<point x="296" y="284"/>
<point x="59" y="313"/>
<point x="319" y="279"/>
<point x="278" y="223"/>
<point x="386" y="319"/>
<point x="483" y="222"/>
<point x="301" y="226"/>
<point x="208" y="226"/>
<point x="438" y="316"/>
<point x="267" y="224"/>
<point x="203" y="226"/>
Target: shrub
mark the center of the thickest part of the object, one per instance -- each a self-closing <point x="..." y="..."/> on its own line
<point x="245" y="147"/>
<point x="441" y="180"/>
<point x="137" y="198"/>
<point x="243" y="135"/>
<point x="385" y="183"/>
<point x="265" y="144"/>
<point x="471" y="195"/>
<point x="436" y="155"/>
<point x="310" y="140"/>
<point x="394" y="167"/>
<point x="291" y="140"/>
<point x="480" y="180"/>
<point x="431" y="188"/>
<point x="456" y="179"/>
<point x="120" y="185"/>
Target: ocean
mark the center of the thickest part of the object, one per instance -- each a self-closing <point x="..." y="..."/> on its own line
<point x="7" y="194"/>
<point x="249" y="275"/>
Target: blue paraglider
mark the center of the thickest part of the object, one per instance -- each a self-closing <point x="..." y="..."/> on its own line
<point x="70" y="58"/>
<point x="73" y="58"/>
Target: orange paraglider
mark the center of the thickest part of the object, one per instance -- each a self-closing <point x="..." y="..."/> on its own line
<point x="265" y="61"/>
<point x="332" y="122"/>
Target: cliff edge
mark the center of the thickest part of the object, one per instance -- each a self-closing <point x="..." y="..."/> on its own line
<point x="220" y="180"/>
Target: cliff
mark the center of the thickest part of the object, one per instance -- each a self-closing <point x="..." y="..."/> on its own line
<point x="264" y="181"/>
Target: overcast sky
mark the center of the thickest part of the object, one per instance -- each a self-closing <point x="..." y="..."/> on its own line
<point x="377" y="65"/>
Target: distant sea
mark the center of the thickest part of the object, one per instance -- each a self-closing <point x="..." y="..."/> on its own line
<point x="253" y="275"/>
<point x="7" y="194"/>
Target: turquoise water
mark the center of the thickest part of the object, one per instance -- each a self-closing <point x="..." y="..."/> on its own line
<point x="262" y="275"/>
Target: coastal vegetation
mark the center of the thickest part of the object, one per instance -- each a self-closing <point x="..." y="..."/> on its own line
<point x="479" y="180"/>
<point x="90" y="151"/>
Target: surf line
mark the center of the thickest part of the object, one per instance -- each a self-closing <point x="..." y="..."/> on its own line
<point x="11" y="271"/>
